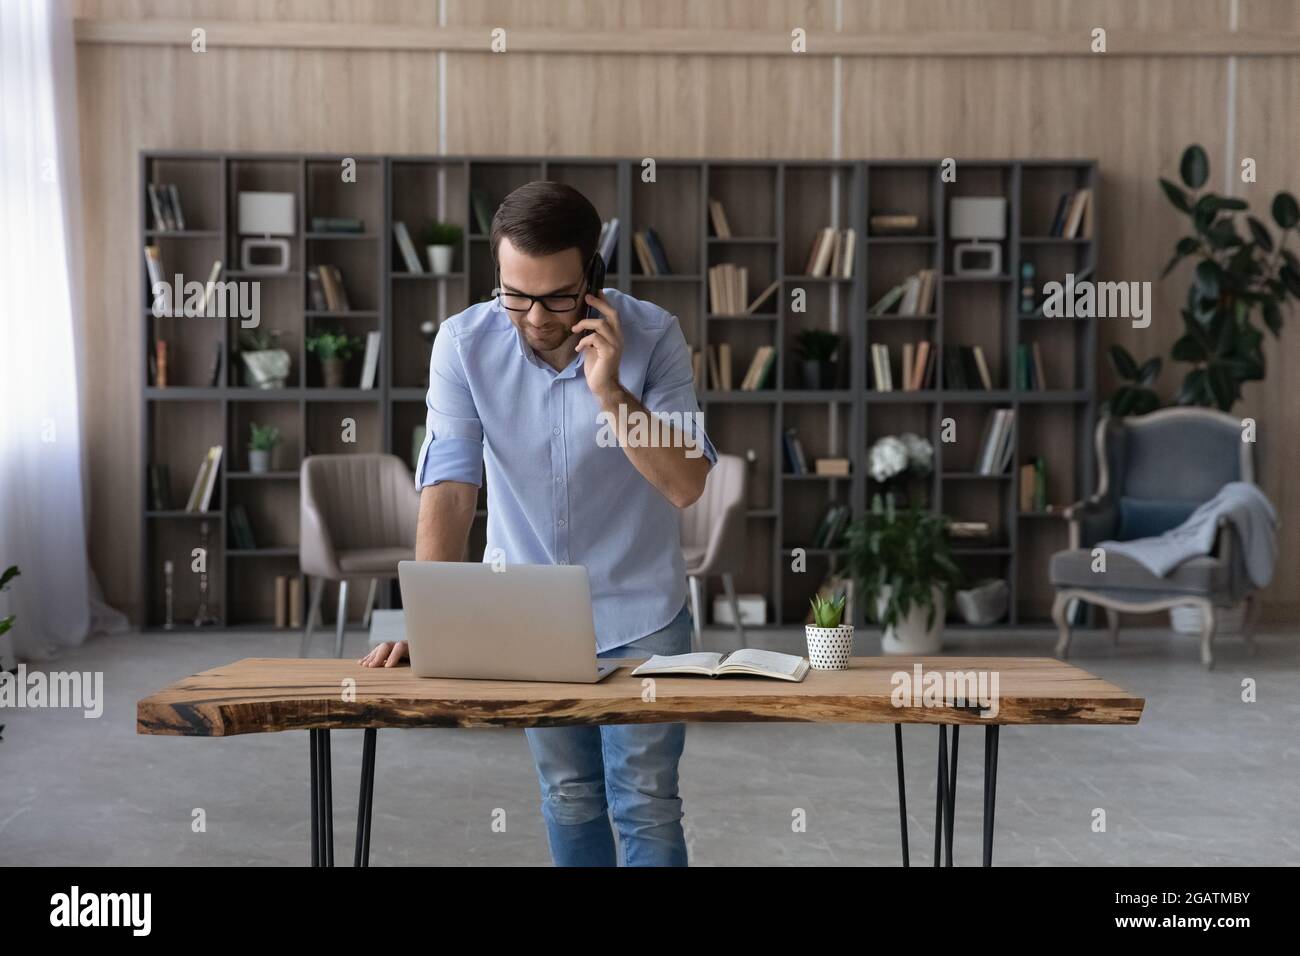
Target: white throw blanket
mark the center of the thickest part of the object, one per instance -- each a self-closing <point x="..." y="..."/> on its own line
<point x="1242" y="503"/>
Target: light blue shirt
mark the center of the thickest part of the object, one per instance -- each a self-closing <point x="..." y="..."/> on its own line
<point x="558" y="491"/>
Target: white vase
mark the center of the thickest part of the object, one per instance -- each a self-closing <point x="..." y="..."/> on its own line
<point x="911" y="636"/>
<point x="259" y="460"/>
<point x="440" y="259"/>
<point x="829" y="648"/>
<point x="1228" y="621"/>
<point x="266" y="369"/>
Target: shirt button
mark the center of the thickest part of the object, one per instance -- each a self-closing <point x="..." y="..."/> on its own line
<point x="561" y="522"/>
<point x="555" y="431"/>
<point x="559" y="480"/>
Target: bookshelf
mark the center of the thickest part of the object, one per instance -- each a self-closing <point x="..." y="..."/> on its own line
<point x="775" y="209"/>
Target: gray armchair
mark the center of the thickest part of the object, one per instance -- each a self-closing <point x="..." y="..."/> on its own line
<point x="357" y="520"/>
<point x="713" y="538"/>
<point x="1154" y="471"/>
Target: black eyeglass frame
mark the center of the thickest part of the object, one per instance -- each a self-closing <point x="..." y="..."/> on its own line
<point x="499" y="294"/>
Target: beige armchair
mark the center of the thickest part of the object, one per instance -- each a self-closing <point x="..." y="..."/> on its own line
<point x="713" y="537"/>
<point x="358" y="516"/>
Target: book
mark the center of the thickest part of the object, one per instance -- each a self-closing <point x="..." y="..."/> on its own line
<point x="1040" y="380"/>
<point x="174" y="204"/>
<point x="210" y="477"/>
<point x="160" y="222"/>
<point x="1024" y="369"/>
<point x="911" y="295"/>
<point x="336" y="294"/>
<point x="921" y="374"/>
<point x="822" y="250"/>
<point x="715" y="371"/>
<point x="643" y="255"/>
<point x="241" y="529"/>
<point x="482" y="209"/>
<point x="831" y="466"/>
<point x="295" y="601"/>
<point x="281" y="600"/>
<point x="657" y="252"/>
<point x="160" y="488"/>
<point x="888" y="300"/>
<point x="153" y="262"/>
<point x="795" y="459"/>
<point x="909" y="363"/>
<point x="370" y="364"/>
<point x="847" y="248"/>
<point x="1026" y="489"/>
<point x="316" y="290"/>
<point x="762" y="297"/>
<point x="1058" y="221"/>
<point x="160" y="363"/>
<point x="337" y="224"/>
<point x="724" y="365"/>
<point x="210" y="286"/>
<point x="718" y="219"/>
<point x="746" y="662"/>
<point x="407" y="248"/>
<point x="200" y="479"/>
<point x="982" y="367"/>
<point x="891" y="222"/>
<point x="759" y="366"/>
<point x="1078" y="205"/>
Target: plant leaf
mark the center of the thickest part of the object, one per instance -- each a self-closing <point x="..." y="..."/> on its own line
<point x="1176" y="196"/>
<point x="1194" y="167"/>
<point x="1261" y="233"/>
<point x="1208" y="274"/>
<point x="1125" y="366"/>
<point x="1150" y="370"/>
<point x="1286" y="212"/>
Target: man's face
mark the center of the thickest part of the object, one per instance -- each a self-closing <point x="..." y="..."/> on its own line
<point x="557" y="274"/>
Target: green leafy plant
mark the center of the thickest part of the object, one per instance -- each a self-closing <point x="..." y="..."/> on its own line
<point x="442" y="234"/>
<point x="331" y="345"/>
<point x="1238" y="276"/>
<point x="827" y="613"/>
<point x="817" y="345"/>
<point x="898" y="556"/>
<point x="1136" y="397"/>
<point x="263" y="437"/>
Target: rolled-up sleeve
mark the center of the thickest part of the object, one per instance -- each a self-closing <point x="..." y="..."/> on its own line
<point x="670" y="388"/>
<point x="453" y="440"/>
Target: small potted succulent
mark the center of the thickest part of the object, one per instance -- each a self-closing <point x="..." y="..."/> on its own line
<point x="266" y="365"/>
<point x="830" y="643"/>
<point x="333" y="349"/>
<point x="440" y="241"/>
<point x="817" y="348"/>
<point x="261" y="446"/>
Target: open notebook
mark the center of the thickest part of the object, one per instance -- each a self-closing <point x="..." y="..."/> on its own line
<point x="746" y="662"/>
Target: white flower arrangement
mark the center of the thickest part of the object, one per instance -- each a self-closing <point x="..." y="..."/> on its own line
<point x="893" y="455"/>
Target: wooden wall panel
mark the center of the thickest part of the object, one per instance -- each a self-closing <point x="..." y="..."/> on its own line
<point x="1134" y="115"/>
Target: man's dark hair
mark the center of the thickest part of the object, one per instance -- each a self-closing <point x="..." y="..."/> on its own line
<point x="542" y="218"/>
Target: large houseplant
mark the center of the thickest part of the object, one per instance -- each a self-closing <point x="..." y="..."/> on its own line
<point x="1242" y="273"/>
<point x="902" y="563"/>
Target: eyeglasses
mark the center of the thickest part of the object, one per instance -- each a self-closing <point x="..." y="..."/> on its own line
<point x="521" y="302"/>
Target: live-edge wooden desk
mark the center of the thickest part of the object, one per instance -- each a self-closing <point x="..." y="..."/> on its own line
<point x="263" y="695"/>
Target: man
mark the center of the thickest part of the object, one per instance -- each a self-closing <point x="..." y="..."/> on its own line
<point x="558" y="404"/>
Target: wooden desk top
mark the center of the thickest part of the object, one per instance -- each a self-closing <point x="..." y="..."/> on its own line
<point x="260" y="695"/>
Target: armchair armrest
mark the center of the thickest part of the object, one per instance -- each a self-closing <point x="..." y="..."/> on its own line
<point x="1090" y="519"/>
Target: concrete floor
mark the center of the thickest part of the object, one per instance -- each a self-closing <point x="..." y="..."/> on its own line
<point x="1203" y="779"/>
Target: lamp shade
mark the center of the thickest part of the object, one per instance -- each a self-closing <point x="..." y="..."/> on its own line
<point x="977" y="217"/>
<point x="266" y="214"/>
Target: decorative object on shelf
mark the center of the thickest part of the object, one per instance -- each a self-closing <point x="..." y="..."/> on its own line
<point x="1138" y="396"/>
<point x="266" y="365"/>
<point x="265" y="214"/>
<point x="830" y="643"/>
<point x="1236" y="278"/>
<point x="983" y="220"/>
<point x="202" y="618"/>
<point x="169" y="571"/>
<point x="985" y="602"/>
<point x="902" y="565"/>
<point x="440" y="241"/>
<point x="333" y="349"/>
<point x="262" y="442"/>
<point x="817" y="349"/>
<point x="899" y="461"/>
<point x="1028" y="290"/>
<point x="832" y="467"/>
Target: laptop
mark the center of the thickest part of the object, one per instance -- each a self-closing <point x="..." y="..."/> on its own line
<point x="527" y="622"/>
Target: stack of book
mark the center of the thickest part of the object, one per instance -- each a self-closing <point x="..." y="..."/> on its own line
<point x="650" y="253"/>
<point x="328" y="294"/>
<point x="1033" y="487"/>
<point x="205" y="481"/>
<point x="832" y="253"/>
<point x="288" y="600"/>
<point x="964" y="369"/>
<point x="1073" y="218"/>
<point x="913" y="296"/>
<point x="165" y="201"/>
<point x="714" y="365"/>
<point x="1029" y="368"/>
<point x="830" y="530"/>
<point x="728" y="288"/>
<point x="917" y="369"/>
<point x="998" y="443"/>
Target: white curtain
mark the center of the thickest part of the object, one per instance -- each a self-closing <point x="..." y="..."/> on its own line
<point x="42" y="499"/>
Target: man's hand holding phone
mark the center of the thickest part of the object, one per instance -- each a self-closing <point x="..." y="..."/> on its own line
<point x="602" y="340"/>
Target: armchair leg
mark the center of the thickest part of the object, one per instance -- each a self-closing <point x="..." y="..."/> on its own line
<point x="313" y="614"/>
<point x="1112" y="625"/>
<point x="342" y="618"/>
<point x="729" y="586"/>
<point x="370" y="602"/>
<point x="1207" y="633"/>
<point x="1062" y="625"/>
<point x="1248" y="624"/>
<point x="697" y="612"/>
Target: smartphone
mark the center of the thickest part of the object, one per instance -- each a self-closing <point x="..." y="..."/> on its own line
<point x="595" y="282"/>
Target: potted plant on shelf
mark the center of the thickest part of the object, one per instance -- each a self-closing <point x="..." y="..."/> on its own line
<point x="261" y="446"/>
<point x="902" y="565"/>
<point x="333" y="349"/>
<point x="899" y="462"/>
<point x="266" y="365"/>
<point x="817" y="348"/>
<point x="441" y="240"/>
<point x="830" y="643"/>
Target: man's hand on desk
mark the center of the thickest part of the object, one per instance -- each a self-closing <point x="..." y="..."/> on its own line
<point x="387" y="654"/>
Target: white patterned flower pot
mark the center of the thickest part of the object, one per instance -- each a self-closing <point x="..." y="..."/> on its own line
<point x="910" y="636"/>
<point x="440" y="259"/>
<point x="829" y="648"/>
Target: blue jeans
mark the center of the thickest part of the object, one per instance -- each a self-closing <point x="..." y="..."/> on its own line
<point x="629" y="770"/>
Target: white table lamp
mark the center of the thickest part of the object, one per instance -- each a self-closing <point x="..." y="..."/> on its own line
<point x="265" y="215"/>
<point x="983" y="220"/>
